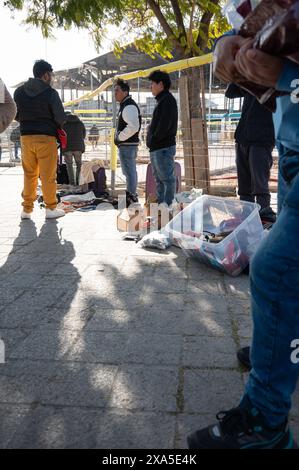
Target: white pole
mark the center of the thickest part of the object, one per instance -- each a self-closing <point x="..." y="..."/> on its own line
<point x="210" y="91"/>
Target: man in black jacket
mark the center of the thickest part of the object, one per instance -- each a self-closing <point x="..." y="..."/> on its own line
<point x="40" y="113"/>
<point x="76" y="134"/>
<point x="161" y="137"/>
<point x="254" y="144"/>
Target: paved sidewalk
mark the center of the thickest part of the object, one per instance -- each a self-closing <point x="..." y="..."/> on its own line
<point x="107" y="345"/>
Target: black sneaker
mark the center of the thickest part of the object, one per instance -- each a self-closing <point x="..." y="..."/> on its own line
<point x="241" y="428"/>
<point x="131" y="198"/>
<point x="246" y="270"/>
<point x="267" y="215"/>
<point x="243" y="356"/>
<point x="134" y="197"/>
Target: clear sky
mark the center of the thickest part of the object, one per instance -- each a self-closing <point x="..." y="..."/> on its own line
<point x="22" y="45"/>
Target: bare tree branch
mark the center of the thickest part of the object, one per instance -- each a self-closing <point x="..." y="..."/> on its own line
<point x="204" y="25"/>
<point x="166" y="27"/>
<point x="191" y="24"/>
<point x="179" y="18"/>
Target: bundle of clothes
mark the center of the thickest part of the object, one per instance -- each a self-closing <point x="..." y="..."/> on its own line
<point x="74" y="198"/>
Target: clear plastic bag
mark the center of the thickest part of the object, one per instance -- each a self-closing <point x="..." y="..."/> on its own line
<point x="232" y="15"/>
<point x="157" y="239"/>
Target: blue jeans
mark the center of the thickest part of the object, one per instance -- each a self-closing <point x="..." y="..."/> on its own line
<point x="283" y="185"/>
<point x="274" y="280"/>
<point x="164" y="173"/>
<point x="127" y="155"/>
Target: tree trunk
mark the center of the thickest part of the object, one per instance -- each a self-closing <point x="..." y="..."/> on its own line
<point x="194" y="129"/>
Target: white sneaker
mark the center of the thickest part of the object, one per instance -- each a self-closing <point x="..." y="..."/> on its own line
<point x="25" y="215"/>
<point x="54" y="213"/>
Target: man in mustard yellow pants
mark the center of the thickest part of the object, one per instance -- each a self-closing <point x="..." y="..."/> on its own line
<point x="40" y="113"/>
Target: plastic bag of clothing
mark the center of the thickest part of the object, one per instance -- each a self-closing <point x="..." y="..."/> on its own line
<point x="157" y="239"/>
<point x="79" y="197"/>
<point x="221" y="232"/>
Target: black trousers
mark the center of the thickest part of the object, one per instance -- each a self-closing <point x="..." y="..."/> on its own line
<point x="254" y="163"/>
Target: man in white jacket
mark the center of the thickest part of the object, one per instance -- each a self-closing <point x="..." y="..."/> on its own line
<point x="127" y="137"/>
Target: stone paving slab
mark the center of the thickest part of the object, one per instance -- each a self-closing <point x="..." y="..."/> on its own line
<point x="47" y="343"/>
<point x="107" y="345"/>
<point x="183" y="321"/>
<point x="125" y="348"/>
<point x="209" y="351"/>
<point x="153" y="388"/>
<point x="12" y="417"/>
<point x="205" y="389"/>
<point x="63" y="427"/>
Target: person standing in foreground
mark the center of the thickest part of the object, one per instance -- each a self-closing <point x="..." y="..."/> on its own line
<point x="161" y="137"/>
<point x="127" y="137"/>
<point x="40" y="113"/>
<point x="260" y="420"/>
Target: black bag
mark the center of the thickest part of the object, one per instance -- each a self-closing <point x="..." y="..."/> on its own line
<point x="99" y="186"/>
<point x="62" y="175"/>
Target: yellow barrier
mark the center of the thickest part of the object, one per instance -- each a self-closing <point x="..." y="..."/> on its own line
<point x="113" y="157"/>
<point x="170" y="67"/>
<point x="96" y="119"/>
<point x="90" y="111"/>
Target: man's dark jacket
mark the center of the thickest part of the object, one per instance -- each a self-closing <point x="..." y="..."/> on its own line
<point x="256" y="123"/>
<point x="76" y="133"/>
<point x="39" y="108"/>
<point x="164" y="124"/>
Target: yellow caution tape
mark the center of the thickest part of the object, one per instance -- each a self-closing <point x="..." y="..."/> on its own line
<point x="170" y="67"/>
<point x="113" y="156"/>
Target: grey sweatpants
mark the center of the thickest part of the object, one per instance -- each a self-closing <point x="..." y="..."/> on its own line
<point x="68" y="157"/>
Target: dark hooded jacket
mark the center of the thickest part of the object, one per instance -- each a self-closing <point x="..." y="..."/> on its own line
<point x="76" y="133"/>
<point x="256" y="123"/>
<point x="39" y="108"/>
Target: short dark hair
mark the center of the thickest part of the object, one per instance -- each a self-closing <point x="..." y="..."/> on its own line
<point x="157" y="76"/>
<point x="40" y="68"/>
<point x="124" y="86"/>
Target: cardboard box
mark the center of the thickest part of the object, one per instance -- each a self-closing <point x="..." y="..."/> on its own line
<point x="130" y="220"/>
<point x="159" y="217"/>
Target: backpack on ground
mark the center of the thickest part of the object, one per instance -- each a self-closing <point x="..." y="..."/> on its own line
<point x="99" y="186"/>
<point x="62" y="174"/>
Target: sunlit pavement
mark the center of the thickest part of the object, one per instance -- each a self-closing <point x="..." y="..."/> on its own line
<point x="108" y="345"/>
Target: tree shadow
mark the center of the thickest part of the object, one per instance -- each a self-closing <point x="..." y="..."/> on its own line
<point x="38" y="283"/>
<point x="106" y="340"/>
